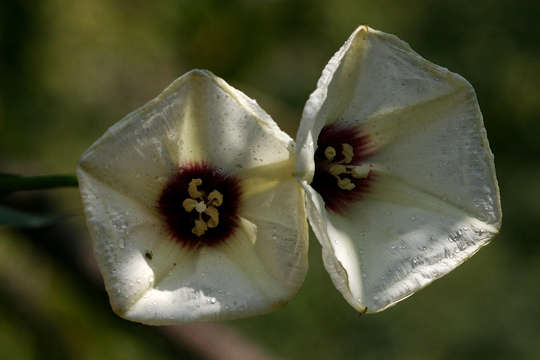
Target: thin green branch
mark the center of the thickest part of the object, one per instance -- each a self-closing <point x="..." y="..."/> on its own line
<point x="10" y="183"/>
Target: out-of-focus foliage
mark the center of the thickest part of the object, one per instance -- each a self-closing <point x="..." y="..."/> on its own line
<point x="70" y="69"/>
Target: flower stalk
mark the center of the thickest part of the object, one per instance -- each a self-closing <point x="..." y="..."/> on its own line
<point x="11" y="183"/>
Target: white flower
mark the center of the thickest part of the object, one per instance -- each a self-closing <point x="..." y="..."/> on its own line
<point x="400" y="180"/>
<point x="193" y="209"/>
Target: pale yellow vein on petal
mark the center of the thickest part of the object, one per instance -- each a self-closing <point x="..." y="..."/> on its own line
<point x="240" y="249"/>
<point x="193" y="127"/>
<point x="281" y="205"/>
<point x="391" y="189"/>
<point x="257" y="113"/>
<point x="259" y="179"/>
<point x="390" y="125"/>
<point x="178" y="257"/>
<point x="242" y="134"/>
<point x="345" y="78"/>
<point x="145" y="199"/>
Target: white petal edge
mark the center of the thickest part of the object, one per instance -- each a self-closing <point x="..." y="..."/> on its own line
<point x="354" y="268"/>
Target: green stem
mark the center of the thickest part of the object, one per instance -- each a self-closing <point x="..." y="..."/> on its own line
<point x="10" y="183"/>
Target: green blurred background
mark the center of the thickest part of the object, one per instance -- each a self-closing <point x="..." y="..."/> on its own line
<point x="70" y="69"/>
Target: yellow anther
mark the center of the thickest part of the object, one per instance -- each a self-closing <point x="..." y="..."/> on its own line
<point x="330" y="153"/>
<point x="189" y="204"/>
<point x="345" y="184"/>
<point x="337" y="169"/>
<point x="192" y="188"/>
<point x="360" y="172"/>
<point x="347" y="152"/>
<point x="200" y="227"/>
<point x="214" y="216"/>
<point x="215" y="198"/>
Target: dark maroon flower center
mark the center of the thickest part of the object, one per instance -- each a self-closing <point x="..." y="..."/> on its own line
<point x="200" y="205"/>
<point x="342" y="173"/>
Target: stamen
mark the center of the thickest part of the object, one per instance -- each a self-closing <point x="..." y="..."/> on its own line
<point x="200" y="227"/>
<point x="337" y="169"/>
<point x="215" y="198"/>
<point x="192" y="189"/>
<point x="347" y="153"/>
<point x="345" y="184"/>
<point x="330" y="153"/>
<point x="214" y="216"/>
<point x="189" y="204"/>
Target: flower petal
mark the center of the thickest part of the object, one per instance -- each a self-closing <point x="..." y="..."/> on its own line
<point x="139" y="153"/>
<point x="434" y="200"/>
<point x="149" y="276"/>
<point x="441" y="147"/>
<point x="396" y="241"/>
<point x="280" y="217"/>
<point x="131" y="245"/>
<point x="241" y="134"/>
<point x="255" y="272"/>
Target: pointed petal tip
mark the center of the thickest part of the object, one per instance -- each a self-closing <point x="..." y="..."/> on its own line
<point x="200" y="74"/>
<point x="364" y="29"/>
<point x="194" y="75"/>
